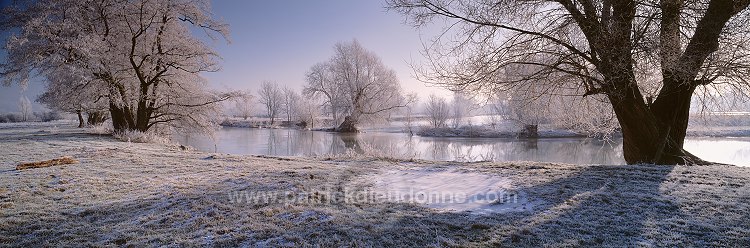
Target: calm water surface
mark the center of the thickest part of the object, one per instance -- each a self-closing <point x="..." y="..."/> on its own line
<point x="290" y="142"/>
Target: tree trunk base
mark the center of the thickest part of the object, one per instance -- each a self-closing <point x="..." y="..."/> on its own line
<point x="348" y="126"/>
<point x="96" y="118"/>
<point x="529" y="131"/>
<point x="686" y="158"/>
<point x="80" y="119"/>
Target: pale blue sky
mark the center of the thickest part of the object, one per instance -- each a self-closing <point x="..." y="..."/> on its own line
<point x="280" y="40"/>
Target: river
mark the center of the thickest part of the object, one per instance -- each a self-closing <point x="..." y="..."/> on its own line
<point x="292" y="142"/>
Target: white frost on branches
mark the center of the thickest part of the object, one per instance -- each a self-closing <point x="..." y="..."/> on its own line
<point x="141" y="56"/>
<point x="272" y="99"/>
<point x="24" y="106"/>
<point x="355" y="83"/>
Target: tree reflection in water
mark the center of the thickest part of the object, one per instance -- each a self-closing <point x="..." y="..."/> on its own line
<point x="291" y="142"/>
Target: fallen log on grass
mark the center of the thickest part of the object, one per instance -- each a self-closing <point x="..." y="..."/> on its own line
<point x="46" y="163"/>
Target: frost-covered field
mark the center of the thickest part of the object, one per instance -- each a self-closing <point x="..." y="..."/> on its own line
<point x="152" y="195"/>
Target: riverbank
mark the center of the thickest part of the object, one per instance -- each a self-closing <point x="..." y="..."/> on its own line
<point x="256" y="123"/>
<point x="487" y="131"/>
<point x="125" y="193"/>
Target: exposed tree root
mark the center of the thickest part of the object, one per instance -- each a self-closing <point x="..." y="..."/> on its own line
<point x="690" y="159"/>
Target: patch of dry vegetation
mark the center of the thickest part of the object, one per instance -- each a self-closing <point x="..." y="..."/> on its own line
<point x="152" y="195"/>
<point x="46" y="163"/>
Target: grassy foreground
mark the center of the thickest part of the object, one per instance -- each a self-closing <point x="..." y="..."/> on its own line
<point x="123" y="194"/>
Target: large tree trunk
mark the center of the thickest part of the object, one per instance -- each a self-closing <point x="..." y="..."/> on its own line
<point x="143" y="116"/>
<point x="94" y="118"/>
<point x="640" y="130"/>
<point x="655" y="135"/>
<point x="529" y="131"/>
<point x="673" y="107"/>
<point x="80" y="119"/>
<point x="118" y="119"/>
<point x="348" y="126"/>
<point x="122" y="118"/>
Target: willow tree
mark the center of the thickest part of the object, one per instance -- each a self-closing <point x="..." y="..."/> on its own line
<point x="143" y="54"/>
<point x="610" y="47"/>
<point x="356" y="84"/>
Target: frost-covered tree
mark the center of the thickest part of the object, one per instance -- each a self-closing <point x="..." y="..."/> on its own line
<point x="272" y="99"/>
<point x="307" y="111"/>
<point x="72" y="91"/>
<point x="498" y="106"/>
<point x="24" y="107"/>
<point x="532" y="104"/>
<point x="461" y="107"/>
<point x="356" y="85"/>
<point x="597" y="47"/>
<point x="408" y="117"/>
<point x="437" y="111"/>
<point x="291" y="102"/>
<point x="143" y="53"/>
<point x="244" y="105"/>
<point x="320" y="84"/>
<point x="527" y="108"/>
<point x="591" y="115"/>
